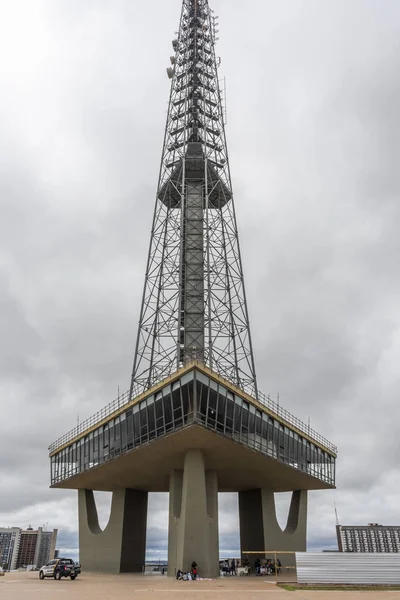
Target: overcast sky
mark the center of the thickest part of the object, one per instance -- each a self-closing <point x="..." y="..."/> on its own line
<point x="313" y="96"/>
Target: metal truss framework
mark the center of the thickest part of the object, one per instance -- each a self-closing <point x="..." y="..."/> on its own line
<point x="194" y="303"/>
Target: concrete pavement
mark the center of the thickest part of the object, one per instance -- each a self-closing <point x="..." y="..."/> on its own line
<point x="88" y="586"/>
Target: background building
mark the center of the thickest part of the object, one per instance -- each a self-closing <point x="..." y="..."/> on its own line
<point x="20" y="548"/>
<point x="27" y="548"/>
<point x="45" y="546"/>
<point x="368" y="538"/>
<point x="9" y="546"/>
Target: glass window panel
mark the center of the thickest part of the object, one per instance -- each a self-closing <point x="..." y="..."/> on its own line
<point x="186" y="378"/>
<point x="229" y="414"/>
<point x="151" y="421"/>
<point x="123" y="426"/>
<point x="186" y="400"/>
<point x="117" y="429"/>
<point x="129" y="426"/>
<point x="136" y="426"/>
<point x="264" y="429"/>
<point x="160" y="429"/>
<point x="213" y="385"/>
<point x="143" y="423"/>
<point x="203" y="378"/>
<point x="221" y="410"/>
<point x="177" y="407"/>
<point x="236" y="418"/>
<point x="167" y="406"/>
<point x="203" y="396"/>
<point x="252" y="426"/>
<point x="158" y="407"/>
<point x="258" y="423"/>
<point x="111" y="444"/>
<point x="212" y="408"/>
<point x="245" y="420"/>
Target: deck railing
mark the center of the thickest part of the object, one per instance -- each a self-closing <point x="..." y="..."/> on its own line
<point x="125" y="398"/>
<point x="292" y="420"/>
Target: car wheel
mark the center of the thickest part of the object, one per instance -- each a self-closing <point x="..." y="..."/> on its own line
<point x="73" y="577"/>
<point x="57" y="576"/>
<point x="41" y="575"/>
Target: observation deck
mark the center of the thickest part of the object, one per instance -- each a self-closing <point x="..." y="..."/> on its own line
<point x="137" y="442"/>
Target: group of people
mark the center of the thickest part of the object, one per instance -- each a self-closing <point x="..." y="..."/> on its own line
<point x="188" y="575"/>
<point x="269" y="568"/>
<point x="229" y="568"/>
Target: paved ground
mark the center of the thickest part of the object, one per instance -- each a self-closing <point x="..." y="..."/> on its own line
<point x="27" y="586"/>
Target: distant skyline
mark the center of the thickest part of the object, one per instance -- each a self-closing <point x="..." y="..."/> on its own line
<point x="313" y="136"/>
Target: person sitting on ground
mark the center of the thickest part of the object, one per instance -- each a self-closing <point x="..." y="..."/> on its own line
<point x="257" y="565"/>
<point x="194" y="570"/>
<point x="179" y="574"/>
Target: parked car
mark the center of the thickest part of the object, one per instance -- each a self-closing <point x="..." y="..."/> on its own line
<point x="60" y="567"/>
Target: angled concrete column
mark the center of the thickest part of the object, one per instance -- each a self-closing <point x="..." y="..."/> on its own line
<point x="260" y="530"/>
<point x="121" y="547"/>
<point x="193" y="518"/>
<point x="294" y="536"/>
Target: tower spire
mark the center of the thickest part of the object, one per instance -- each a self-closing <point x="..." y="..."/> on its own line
<point x="194" y="303"/>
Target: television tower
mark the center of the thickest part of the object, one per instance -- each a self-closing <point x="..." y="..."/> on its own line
<point x="194" y="303"/>
<point x="193" y="423"/>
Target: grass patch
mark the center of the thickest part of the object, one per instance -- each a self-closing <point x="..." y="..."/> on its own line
<point x="292" y="587"/>
<point x="287" y="587"/>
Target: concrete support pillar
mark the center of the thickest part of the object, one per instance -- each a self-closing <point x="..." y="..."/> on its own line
<point x="260" y="530"/>
<point x="121" y="547"/>
<point x="193" y="518"/>
<point x="251" y="521"/>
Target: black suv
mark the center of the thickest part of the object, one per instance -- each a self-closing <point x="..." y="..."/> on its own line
<point x="59" y="568"/>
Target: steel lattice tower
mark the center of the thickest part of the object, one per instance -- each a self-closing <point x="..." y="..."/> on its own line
<point x="194" y="302"/>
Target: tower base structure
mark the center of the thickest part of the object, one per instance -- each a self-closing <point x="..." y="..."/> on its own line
<point x="259" y="527"/>
<point x="193" y="517"/>
<point x="194" y="435"/>
<point x="121" y="546"/>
